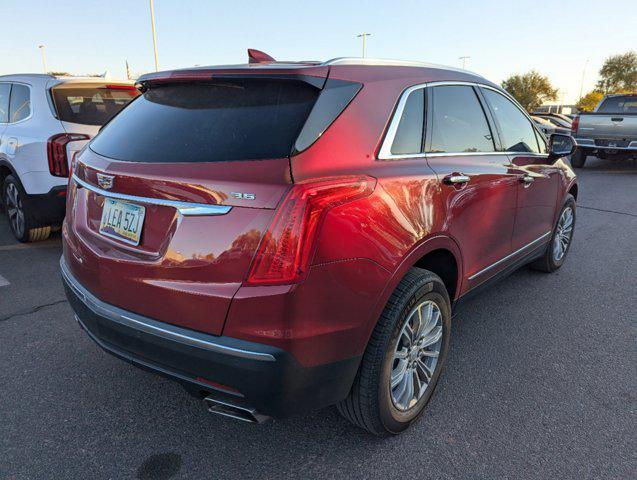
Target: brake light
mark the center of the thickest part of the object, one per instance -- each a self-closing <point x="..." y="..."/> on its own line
<point x="124" y="88"/>
<point x="287" y="247"/>
<point x="574" y="125"/>
<point x="56" y="152"/>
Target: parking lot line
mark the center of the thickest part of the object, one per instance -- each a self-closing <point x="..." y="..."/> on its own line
<point x="3" y="281"/>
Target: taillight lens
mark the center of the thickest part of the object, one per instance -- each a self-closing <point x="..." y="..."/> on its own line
<point x="56" y="152"/>
<point x="574" y="125"/>
<point x="287" y="247"/>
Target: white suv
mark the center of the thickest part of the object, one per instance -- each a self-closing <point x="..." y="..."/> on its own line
<point x="44" y="120"/>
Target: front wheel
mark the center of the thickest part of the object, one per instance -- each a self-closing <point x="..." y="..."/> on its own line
<point x="403" y="360"/>
<point x="561" y="239"/>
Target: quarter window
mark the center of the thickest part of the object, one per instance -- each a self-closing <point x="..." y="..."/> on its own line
<point x="5" y="89"/>
<point x="408" y="138"/>
<point x="458" y="122"/>
<point x="20" y="105"/>
<point x="518" y="135"/>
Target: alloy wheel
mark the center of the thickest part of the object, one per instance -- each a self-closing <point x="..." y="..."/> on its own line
<point x="563" y="234"/>
<point x="416" y="355"/>
<point x="13" y="204"/>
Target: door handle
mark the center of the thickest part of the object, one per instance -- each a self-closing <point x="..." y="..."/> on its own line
<point x="456" y="179"/>
<point x="527" y="180"/>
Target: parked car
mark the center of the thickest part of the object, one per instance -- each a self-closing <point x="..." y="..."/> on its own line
<point x="548" y="127"/>
<point x="44" y="120"/>
<point x="544" y="125"/>
<point x="289" y="236"/>
<point x="557" y="119"/>
<point x="609" y="132"/>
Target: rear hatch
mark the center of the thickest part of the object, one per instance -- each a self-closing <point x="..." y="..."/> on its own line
<point x="178" y="149"/>
<point x="84" y="106"/>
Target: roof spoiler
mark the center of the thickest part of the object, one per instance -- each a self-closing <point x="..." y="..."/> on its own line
<point x="257" y="56"/>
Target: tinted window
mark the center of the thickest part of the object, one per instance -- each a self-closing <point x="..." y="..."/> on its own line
<point x="91" y="105"/>
<point x="409" y="134"/>
<point x="542" y="142"/>
<point x="5" y="90"/>
<point x="516" y="129"/>
<point x="458" y="122"/>
<point x="20" y="106"/>
<point x="333" y="99"/>
<point x="245" y="119"/>
<point x="619" y="104"/>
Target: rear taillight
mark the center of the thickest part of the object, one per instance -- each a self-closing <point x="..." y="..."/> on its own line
<point x="56" y="152"/>
<point x="574" y="125"/>
<point x="288" y="245"/>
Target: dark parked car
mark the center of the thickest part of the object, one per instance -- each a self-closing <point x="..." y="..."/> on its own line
<point x="286" y="236"/>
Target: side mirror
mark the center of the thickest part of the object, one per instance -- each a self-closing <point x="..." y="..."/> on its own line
<point x="561" y="146"/>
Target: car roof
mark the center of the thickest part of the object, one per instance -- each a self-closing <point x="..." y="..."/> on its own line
<point x="25" y="77"/>
<point x="345" y="68"/>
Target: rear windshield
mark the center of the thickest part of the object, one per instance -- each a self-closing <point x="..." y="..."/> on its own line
<point x="91" y="105"/>
<point x="619" y="104"/>
<point x="243" y="119"/>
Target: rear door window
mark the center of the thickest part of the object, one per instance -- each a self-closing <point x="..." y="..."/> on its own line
<point x="91" y="105"/>
<point x="242" y="119"/>
<point x="5" y="90"/>
<point x="458" y="122"/>
<point x="20" y="105"/>
<point x="518" y="135"/>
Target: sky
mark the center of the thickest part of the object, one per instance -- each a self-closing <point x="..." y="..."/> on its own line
<point x="561" y="38"/>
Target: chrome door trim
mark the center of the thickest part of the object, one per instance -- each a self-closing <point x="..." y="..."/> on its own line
<point x="154" y="327"/>
<point x="385" y="150"/>
<point x="504" y="259"/>
<point x="184" y="208"/>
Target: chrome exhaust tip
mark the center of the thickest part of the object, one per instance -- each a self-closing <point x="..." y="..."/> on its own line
<point x="233" y="411"/>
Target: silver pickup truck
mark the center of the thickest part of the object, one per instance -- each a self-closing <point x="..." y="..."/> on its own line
<point x="610" y="131"/>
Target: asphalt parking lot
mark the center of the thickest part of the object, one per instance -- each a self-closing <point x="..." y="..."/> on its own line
<point x="541" y="381"/>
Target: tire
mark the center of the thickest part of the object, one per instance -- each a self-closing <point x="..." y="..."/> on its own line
<point x="578" y="159"/>
<point x="371" y="403"/>
<point x="550" y="261"/>
<point x="20" y="218"/>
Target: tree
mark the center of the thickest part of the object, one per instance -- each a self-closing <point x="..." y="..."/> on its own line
<point x="619" y="72"/>
<point x="589" y="101"/>
<point x="530" y="89"/>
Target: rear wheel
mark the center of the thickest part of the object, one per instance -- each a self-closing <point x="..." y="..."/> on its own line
<point x="578" y="159"/>
<point x="19" y="217"/>
<point x="403" y="360"/>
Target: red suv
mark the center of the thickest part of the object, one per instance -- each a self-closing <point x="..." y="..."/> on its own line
<point x="284" y="236"/>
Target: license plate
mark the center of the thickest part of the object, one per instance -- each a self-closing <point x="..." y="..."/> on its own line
<point x="122" y="220"/>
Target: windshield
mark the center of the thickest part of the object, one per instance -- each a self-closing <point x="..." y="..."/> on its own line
<point x="619" y="104"/>
<point x="241" y="119"/>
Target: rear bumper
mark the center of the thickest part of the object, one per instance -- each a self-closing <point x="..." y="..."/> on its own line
<point x="48" y="208"/>
<point x="590" y="143"/>
<point x="260" y="377"/>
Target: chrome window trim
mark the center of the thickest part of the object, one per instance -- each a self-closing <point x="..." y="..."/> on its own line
<point x="184" y="208"/>
<point x="385" y="150"/>
<point x="504" y="259"/>
<point x="153" y="327"/>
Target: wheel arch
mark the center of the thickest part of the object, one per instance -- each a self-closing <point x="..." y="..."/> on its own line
<point x="431" y="253"/>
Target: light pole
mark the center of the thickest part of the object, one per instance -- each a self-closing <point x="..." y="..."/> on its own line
<point x="464" y="61"/>
<point x="364" y="36"/>
<point x="152" y="24"/>
<point x="42" y="48"/>
<point x="581" y="85"/>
